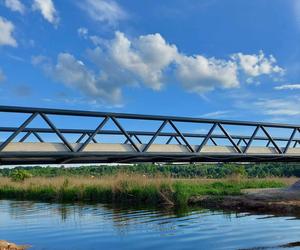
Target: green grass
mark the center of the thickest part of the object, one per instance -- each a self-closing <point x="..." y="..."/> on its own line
<point x="128" y="189"/>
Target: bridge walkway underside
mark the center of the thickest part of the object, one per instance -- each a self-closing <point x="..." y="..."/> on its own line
<point x="58" y="153"/>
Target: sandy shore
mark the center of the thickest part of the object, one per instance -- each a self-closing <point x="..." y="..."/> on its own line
<point x="267" y="201"/>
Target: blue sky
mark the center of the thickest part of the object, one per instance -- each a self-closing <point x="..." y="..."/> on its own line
<point x="232" y="59"/>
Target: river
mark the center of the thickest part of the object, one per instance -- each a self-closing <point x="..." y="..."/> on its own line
<point x="76" y="226"/>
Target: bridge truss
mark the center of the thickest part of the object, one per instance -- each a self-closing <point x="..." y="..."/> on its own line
<point x="168" y="139"/>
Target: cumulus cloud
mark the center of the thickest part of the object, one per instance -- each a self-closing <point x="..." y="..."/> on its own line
<point x="107" y="11"/>
<point x="15" y="5"/>
<point x="146" y="57"/>
<point x="256" y="65"/>
<point x="200" y="74"/>
<point x="282" y="107"/>
<point x="147" y="61"/>
<point x="75" y="74"/>
<point x="288" y="87"/>
<point x="6" y="33"/>
<point x="47" y="9"/>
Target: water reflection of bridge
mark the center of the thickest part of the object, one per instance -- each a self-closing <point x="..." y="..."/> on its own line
<point x="45" y="136"/>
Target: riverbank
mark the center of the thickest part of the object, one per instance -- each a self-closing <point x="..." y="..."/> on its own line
<point x="276" y="201"/>
<point x="134" y="189"/>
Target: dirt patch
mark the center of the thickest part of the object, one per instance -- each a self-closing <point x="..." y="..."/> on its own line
<point x="271" y="201"/>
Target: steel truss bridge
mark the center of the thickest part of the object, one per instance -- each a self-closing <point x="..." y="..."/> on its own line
<point x="48" y="143"/>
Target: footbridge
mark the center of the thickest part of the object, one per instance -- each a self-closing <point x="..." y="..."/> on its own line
<point x="58" y="136"/>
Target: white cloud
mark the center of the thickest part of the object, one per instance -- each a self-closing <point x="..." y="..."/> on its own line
<point x="200" y="74"/>
<point x="75" y="74"/>
<point x="217" y="114"/>
<point x="279" y="107"/>
<point x="257" y="65"/>
<point x="47" y="9"/>
<point x="145" y="57"/>
<point x="147" y="60"/>
<point x="288" y="86"/>
<point x="6" y="33"/>
<point x="83" y="32"/>
<point x="2" y="76"/>
<point x="96" y="40"/>
<point x="15" y="5"/>
<point x="149" y="57"/>
<point x="107" y="11"/>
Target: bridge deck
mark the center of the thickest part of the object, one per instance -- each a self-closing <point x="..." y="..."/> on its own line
<point x="102" y="148"/>
<point x="37" y="152"/>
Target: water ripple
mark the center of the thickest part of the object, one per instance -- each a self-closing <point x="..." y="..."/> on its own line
<point x="77" y="226"/>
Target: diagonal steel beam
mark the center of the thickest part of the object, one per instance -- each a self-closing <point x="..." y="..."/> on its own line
<point x="135" y="136"/>
<point x="125" y="133"/>
<point x="178" y="141"/>
<point x="271" y="139"/>
<point x="19" y="130"/>
<point x="213" y="141"/>
<point x="126" y="141"/>
<point x="229" y="138"/>
<point x="205" y="140"/>
<point x="57" y="132"/>
<point x="25" y="137"/>
<point x="169" y="140"/>
<point x="289" y="141"/>
<point x="181" y="136"/>
<point x="38" y="136"/>
<point x="138" y="139"/>
<point x="241" y="140"/>
<point x="91" y="137"/>
<point x="94" y="140"/>
<point x="297" y="141"/>
<point x="81" y="137"/>
<point x="244" y="140"/>
<point x="155" y="136"/>
<point x="251" y="139"/>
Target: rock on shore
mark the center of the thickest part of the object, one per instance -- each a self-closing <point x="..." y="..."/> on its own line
<point x="5" y="245"/>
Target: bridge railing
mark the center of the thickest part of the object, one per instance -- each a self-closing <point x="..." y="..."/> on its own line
<point x="239" y="142"/>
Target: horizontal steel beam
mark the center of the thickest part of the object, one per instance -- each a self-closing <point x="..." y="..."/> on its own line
<point x="16" y="109"/>
<point x="142" y="133"/>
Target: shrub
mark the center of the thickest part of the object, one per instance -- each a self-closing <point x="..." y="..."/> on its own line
<point x="19" y="175"/>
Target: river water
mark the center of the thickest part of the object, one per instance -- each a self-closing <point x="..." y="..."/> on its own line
<point x="69" y="226"/>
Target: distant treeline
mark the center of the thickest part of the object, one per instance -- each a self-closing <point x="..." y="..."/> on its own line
<point x="176" y="171"/>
